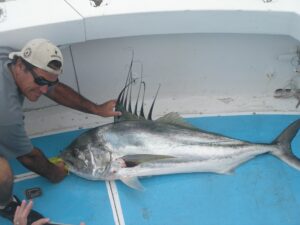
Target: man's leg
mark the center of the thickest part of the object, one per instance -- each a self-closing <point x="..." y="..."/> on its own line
<point x="6" y="183"/>
<point x="37" y="162"/>
<point x="8" y="203"/>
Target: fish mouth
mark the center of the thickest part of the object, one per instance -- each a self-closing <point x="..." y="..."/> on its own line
<point x="66" y="158"/>
<point x="69" y="162"/>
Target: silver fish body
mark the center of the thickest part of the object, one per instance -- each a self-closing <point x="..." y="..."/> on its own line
<point x="131" y="149"/>
<point x="134" y="146"/>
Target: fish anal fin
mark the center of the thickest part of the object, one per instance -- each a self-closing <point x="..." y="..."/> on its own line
<point x="133" y="182"/>
<point x="175" y="119"/>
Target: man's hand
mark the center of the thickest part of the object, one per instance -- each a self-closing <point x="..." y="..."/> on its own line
<point x="22" y="213"/>
<point x="37" y="162"/>
<point x="107" y="109"/>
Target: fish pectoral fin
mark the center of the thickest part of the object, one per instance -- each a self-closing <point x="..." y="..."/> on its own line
<point x="134" y="160"/>
<point x="133" y="182"/>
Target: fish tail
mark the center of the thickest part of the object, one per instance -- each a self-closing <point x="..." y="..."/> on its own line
<point x="283" y="143"/>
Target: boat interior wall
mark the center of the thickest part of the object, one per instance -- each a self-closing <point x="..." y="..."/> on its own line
<point x="198" y="73"/>
<point x="73" y="21"/>
<point x="210" y="57"/>
<point x="121" y="18"/>
<point x="213" y="21"/>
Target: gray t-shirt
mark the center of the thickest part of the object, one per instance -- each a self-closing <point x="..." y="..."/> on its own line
<point x="14" y="141"/>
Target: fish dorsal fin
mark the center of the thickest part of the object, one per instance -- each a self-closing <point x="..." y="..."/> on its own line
<point x="175" y="119"/>
<point x="123" y="103"/>
<point x="133" y="182"/>
<point x="127" y="116"/>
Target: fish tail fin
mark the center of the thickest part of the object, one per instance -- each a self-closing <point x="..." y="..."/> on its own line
<point x="283" y="143"/>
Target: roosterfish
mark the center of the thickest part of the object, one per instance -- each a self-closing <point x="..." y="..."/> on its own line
<point x="135" y="146"/>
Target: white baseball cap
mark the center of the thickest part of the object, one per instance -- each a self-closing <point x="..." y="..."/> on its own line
<point x="40" y="52"/>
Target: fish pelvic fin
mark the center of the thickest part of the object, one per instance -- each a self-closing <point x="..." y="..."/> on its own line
<point x="283" y="142"/>
<point x="134" y="160"/>
<point x="133" y="182"/>
<point x="175" y="119"/>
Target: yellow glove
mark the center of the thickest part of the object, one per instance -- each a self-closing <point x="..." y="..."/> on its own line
<point x="57" y="160"/>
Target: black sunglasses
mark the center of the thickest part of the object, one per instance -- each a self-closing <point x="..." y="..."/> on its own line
<point x="42" y="81"/>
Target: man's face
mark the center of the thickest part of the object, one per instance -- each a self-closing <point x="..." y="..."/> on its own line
<point x="33" y="84"/>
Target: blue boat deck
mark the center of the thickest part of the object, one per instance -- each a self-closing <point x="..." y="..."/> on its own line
<point x="263" y="191"/>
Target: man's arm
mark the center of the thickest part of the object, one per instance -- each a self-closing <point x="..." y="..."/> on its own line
<point x="66" y="96"/>
<point x="37" y="162"/>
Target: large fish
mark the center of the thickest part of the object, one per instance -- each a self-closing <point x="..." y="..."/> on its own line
<point x="134" y="147"/>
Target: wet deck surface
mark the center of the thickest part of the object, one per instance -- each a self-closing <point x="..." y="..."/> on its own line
<point x="261" y="191"/>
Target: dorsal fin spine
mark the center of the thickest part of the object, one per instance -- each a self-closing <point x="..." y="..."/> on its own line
<point x="151" y="109"/>
<point x="138" y="96"/>
<point x="142" y="114"/>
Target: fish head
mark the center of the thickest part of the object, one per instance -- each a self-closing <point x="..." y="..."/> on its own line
<point x="90" y="161"/>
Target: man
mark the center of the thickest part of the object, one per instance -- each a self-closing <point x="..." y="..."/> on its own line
<point x="30" y="73"/>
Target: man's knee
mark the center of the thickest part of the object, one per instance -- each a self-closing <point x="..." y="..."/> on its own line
<point x="6" y="181"/>
<point x="5" y="170"/>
